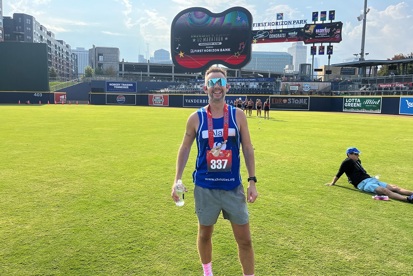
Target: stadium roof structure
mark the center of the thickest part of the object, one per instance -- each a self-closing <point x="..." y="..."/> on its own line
<point x="401" y="63"/>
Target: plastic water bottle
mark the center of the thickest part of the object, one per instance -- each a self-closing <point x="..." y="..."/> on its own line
<point x="380" y="197"/>
<point x="180" y="189"/>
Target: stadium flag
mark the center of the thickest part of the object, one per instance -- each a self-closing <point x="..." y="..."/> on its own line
<point x="313" y="50"/>
<point x="280" y="16"/>
<point x="315" y="16"/>
<point x="332" y="15"/>
<point x="323" y="15"/>
<point x="321" y="50"/>
<point x="329" y="49"/>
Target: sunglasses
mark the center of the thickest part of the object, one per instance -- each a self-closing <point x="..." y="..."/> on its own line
<point x="220" y="81"/>
<point x="355" y="153"/>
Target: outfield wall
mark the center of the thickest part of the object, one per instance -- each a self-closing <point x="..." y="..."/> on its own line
<point x="396" y="105"/>
<point x="15" y="97"/>
<point x="361" y="104"/>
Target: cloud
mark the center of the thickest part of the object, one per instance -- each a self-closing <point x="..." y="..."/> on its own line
<point x="127" y="12"/>
<point x="388" y="33"/>
<point x="27" y="7"/>
<point x="289" y="12"/>
<point x="41" y="2"/>
<point x="154" y="27"/>
<point x="70" y="22"/>
<point x="188" y="3"/>
<point x="112" y="33"/>
<point x="392" y="24"/>
<point x="55" y="24"/>
<point x="60" y="25"/>
<point x="213" y="5"/>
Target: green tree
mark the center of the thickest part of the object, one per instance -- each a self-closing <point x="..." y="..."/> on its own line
<point x="385" y="70"/>
<point x="88" y="72"/>
<point x="98" y="71"/>
<point x="52" y="73"/>
<point x="110" y="72"/>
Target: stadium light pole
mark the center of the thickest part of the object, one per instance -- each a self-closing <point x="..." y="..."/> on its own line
<point x="363" y="35"/>
<point x="363" y="17"/>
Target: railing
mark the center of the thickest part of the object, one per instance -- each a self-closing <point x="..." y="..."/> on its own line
<point x="372" y="93"/>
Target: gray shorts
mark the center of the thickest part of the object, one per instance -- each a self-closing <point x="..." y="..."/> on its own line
<point x="210" y="202"/>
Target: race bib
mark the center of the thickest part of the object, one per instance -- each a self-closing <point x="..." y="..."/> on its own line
<point x="222" y="162"/>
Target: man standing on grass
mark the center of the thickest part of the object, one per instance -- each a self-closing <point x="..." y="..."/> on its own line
<point x="358" y="176"/>
<point x="219" y="130"/>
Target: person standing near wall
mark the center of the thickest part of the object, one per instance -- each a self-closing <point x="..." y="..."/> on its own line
<point x="267" y="109"/>
<point x="258" y="106"/>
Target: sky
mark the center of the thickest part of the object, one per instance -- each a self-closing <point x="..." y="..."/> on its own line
<point x="139" y="27"/>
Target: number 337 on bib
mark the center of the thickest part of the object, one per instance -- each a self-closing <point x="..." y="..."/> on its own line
<point x="220" y="163"/>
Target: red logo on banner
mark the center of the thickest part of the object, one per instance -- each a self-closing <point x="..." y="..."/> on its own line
<point x="159" y="100"/>
<point x="60" y="97"/>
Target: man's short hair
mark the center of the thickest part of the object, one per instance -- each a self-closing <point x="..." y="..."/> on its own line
<point x="215" y="69"/>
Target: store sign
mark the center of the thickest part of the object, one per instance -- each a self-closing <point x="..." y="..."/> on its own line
<point x="290" y="103"/>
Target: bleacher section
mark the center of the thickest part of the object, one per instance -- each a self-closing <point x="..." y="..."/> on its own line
<point x="391" y="85"/>
<point x="387" y="85"/>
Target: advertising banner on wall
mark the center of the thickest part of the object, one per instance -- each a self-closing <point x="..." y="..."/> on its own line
<point x="362" y="104"/>
<point x="310" y="33"/>
<point x="406" y="105"/>
<point x="202" y="100"/>
<point x="158" y="100"/>
<point x="123" y="87"/>
<point x="322" y="33"/>
<point x="303" y="87"/>
<point x="290" y="103"/>
<point x="121" y="99"/>
<point x="59" y="97"/>
<point x="238" y="80"/>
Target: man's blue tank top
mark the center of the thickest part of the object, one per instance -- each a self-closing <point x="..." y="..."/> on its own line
<point x="217" y="180"/>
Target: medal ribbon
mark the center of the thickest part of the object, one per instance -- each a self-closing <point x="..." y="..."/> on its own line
<point x="211" y="127"/>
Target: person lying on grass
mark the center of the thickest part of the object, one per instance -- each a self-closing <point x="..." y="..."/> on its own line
<point x="358" y="177"/>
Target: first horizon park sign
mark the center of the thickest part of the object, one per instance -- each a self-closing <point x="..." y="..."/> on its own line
<point x="279" y="23"/>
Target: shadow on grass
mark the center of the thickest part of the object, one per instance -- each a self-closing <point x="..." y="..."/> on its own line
<point x="352" y="189"/>
<point x="270" y="119"/>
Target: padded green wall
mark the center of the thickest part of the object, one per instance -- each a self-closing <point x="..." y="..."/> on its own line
<point x="23" y="67"/>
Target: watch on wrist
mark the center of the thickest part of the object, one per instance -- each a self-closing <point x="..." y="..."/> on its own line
<point x="253" y="178"/>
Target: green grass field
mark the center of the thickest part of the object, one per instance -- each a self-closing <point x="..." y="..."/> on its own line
<point x="85" y="190"/>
